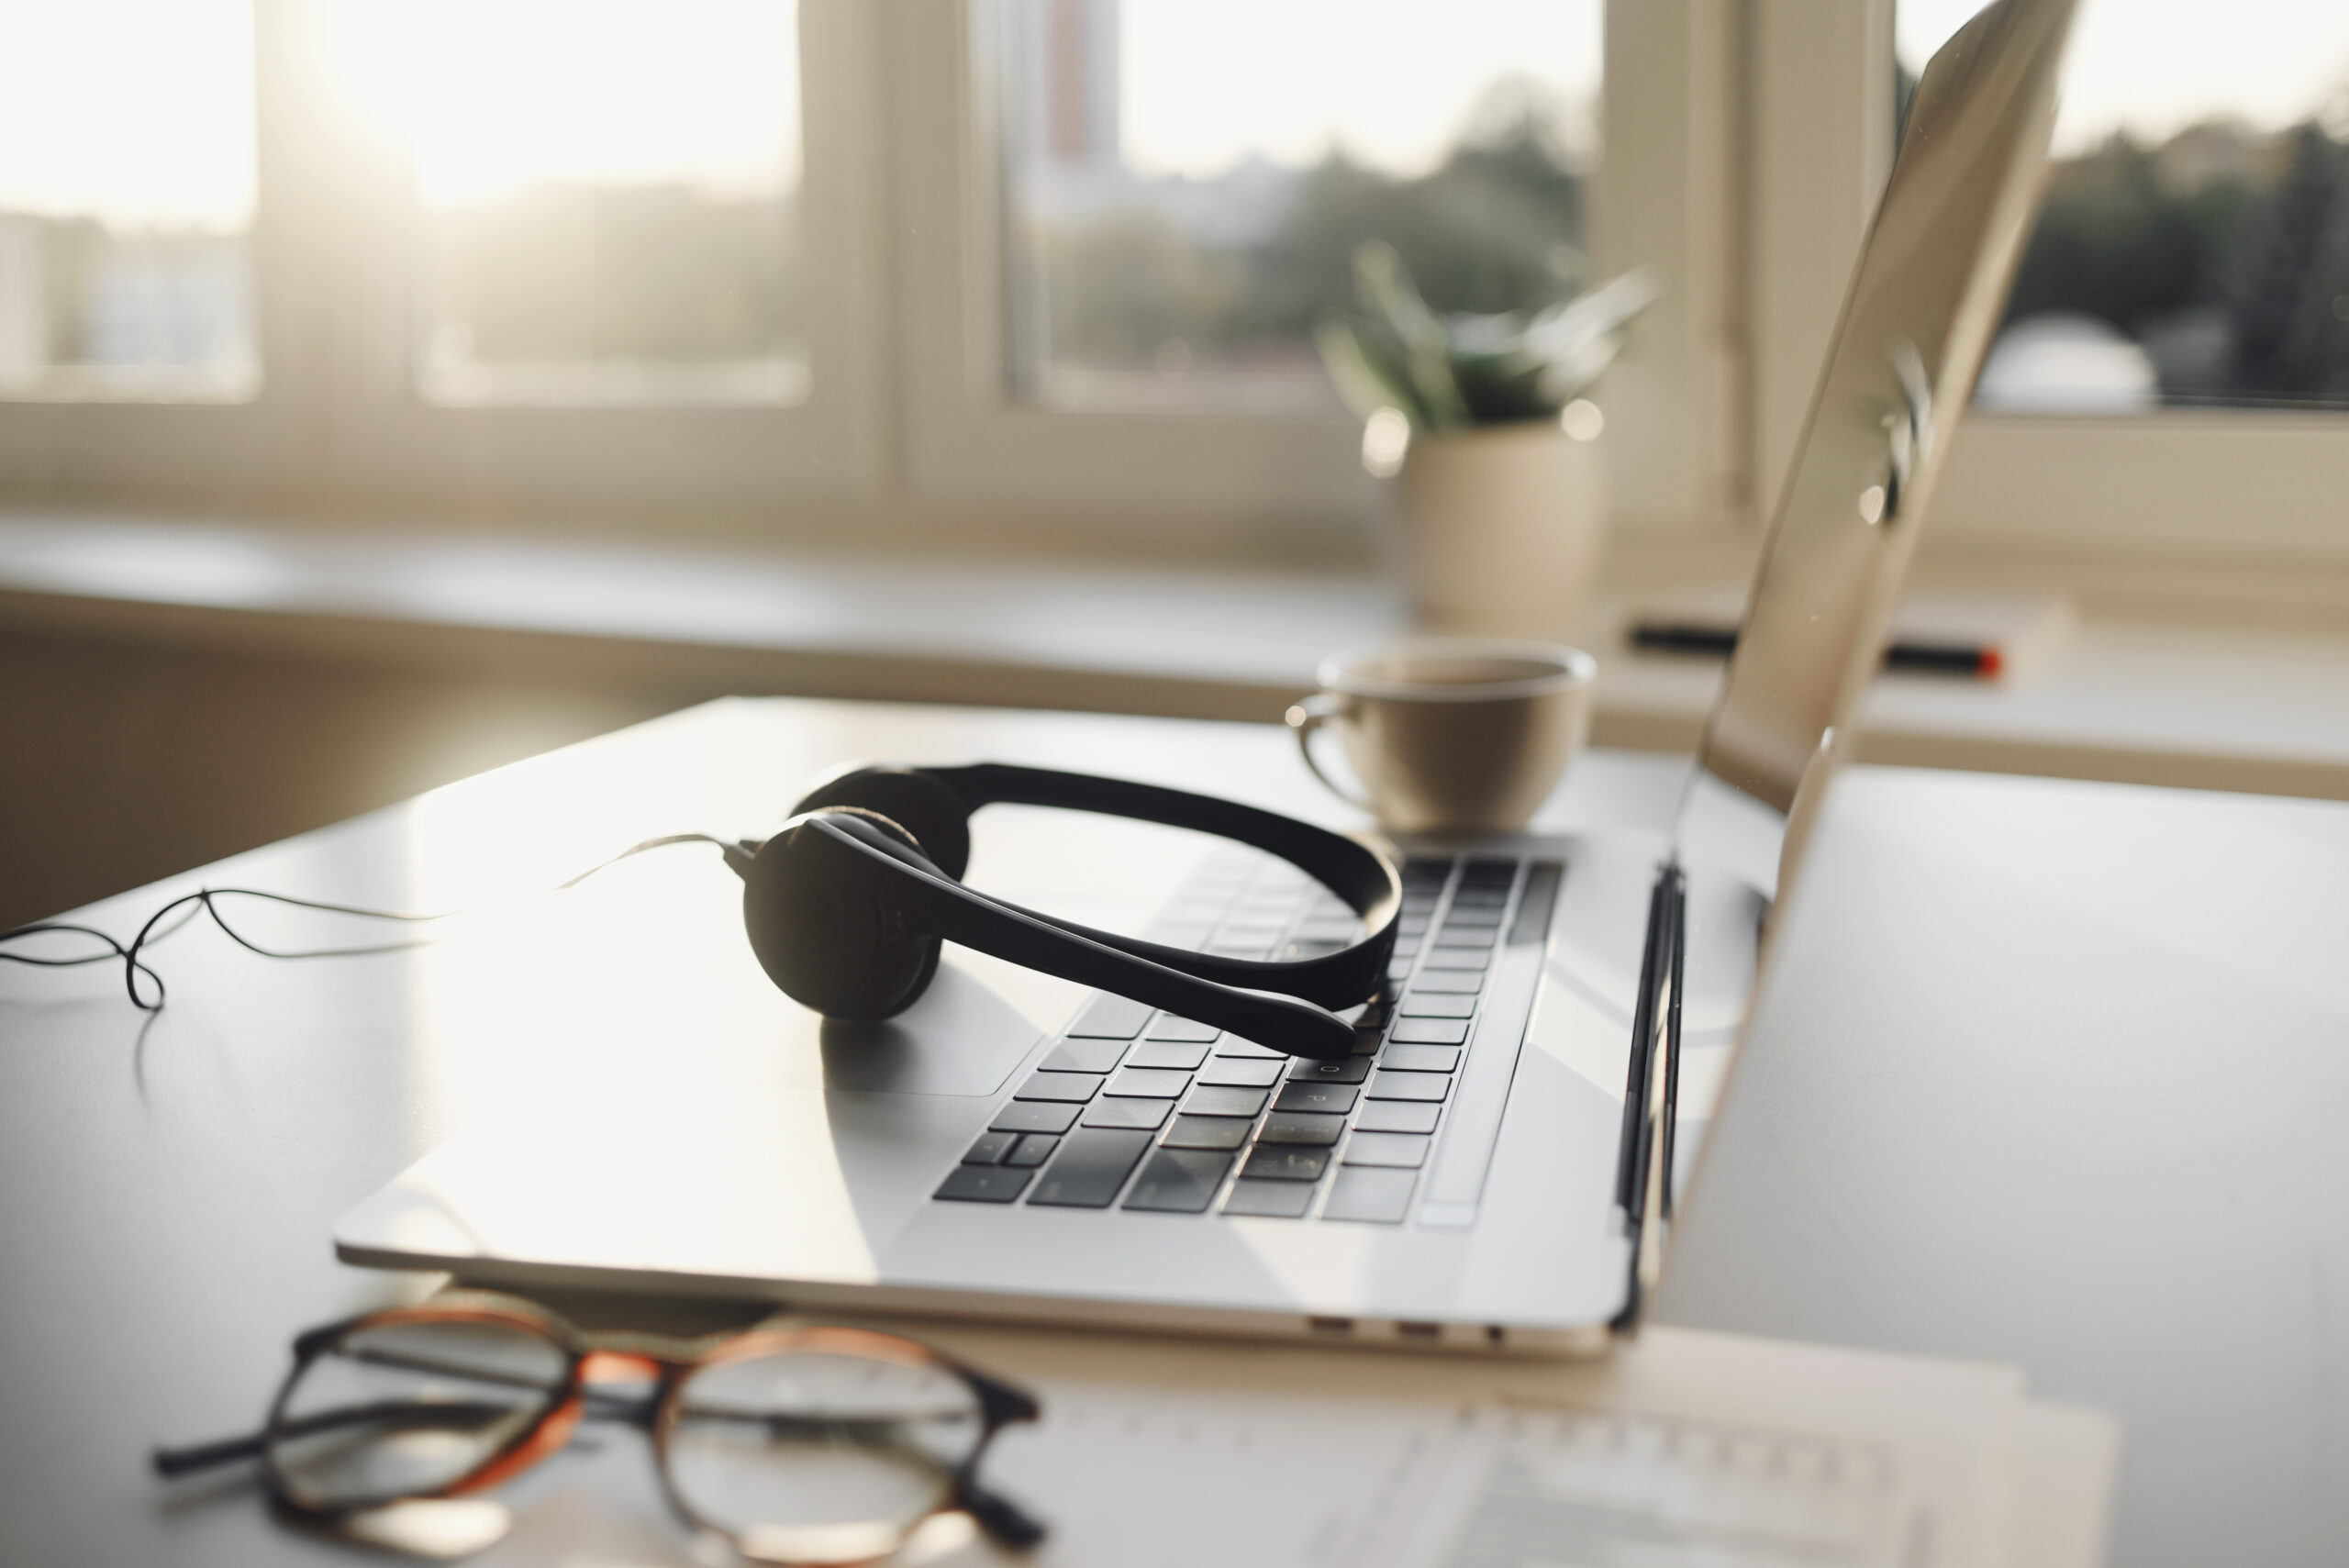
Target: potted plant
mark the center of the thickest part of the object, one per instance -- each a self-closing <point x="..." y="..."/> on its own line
<point x="1486" y="421"/>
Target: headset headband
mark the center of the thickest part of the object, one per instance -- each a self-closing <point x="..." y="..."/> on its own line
<point x="910" y="862"/>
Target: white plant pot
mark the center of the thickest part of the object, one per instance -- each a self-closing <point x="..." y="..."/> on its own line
<point x="1502" y="529"/>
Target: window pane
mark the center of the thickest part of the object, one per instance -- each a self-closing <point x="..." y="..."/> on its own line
<point x="2194" y="249"/>
<point x="1185" y="180"/>
<point x="126" y="199"/>
<point x="606" y="194"/>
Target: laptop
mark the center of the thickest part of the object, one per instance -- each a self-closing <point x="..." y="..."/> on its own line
<point x="1498" y="1166"/>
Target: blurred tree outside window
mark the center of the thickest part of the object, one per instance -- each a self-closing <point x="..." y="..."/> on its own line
<point x="127" y="197"/>
<point x="2194" y="247"/>
<point x="1185" y="182"/>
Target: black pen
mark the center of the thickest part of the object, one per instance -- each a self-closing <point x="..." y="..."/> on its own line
<point x="1983" y="662"/>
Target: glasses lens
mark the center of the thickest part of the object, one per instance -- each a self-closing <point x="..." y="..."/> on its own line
<point x="813" y="1457"/>
<point x="406" y="1409"/>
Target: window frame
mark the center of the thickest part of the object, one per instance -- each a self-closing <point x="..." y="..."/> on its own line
<point x="1673" y="400"/>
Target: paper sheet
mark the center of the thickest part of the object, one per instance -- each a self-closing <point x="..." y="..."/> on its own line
<point x="1684" y="1450"/>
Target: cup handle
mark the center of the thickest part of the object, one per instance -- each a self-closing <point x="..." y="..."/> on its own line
<point x="1307" y="716"/>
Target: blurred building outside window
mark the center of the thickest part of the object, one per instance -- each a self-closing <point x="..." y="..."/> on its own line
<point x="1185" y="182"/>
<point x="605" y="196"/>
<point x="127" y="201"/>
<point x="2193" y="249"/>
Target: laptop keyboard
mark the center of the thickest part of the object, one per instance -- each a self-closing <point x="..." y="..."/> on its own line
<point x="1140" y="1108"/>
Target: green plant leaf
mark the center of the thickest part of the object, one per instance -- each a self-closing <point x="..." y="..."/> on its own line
<point x="1388" y="293"/>
<point x="1576" y="341"/>
<point x="1366" y="379"/>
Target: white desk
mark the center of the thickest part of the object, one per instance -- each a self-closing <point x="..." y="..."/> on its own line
<point x="2052" y="1072"/>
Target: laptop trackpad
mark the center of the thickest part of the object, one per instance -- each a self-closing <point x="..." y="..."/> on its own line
<point x="961" y="1038"/>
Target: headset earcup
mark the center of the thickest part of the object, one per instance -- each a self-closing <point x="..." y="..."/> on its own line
<point x="908" y="799"/>
<point x="846" y="950"/>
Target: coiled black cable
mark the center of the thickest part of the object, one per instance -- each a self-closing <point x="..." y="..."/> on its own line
<point x="206" y="901"/>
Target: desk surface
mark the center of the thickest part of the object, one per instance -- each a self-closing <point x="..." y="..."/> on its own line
<point x="2049" y="1072"/>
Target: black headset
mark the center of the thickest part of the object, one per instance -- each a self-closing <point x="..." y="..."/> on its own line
<point x="847" y="904"/>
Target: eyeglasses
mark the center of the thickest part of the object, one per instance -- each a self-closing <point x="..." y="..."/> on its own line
<point x="798" y="1445"/>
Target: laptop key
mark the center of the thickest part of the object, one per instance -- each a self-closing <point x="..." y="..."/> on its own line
<point x="1233" y="1072"/>
<point x="1459" y="958"/>
<point x="1117" y="1111"/>
<point x="1389" y="1086"/>
<point x="1269" y="1200"/>
<point x="1353" y="1070"/>
<point x="1092" y="1165"/>
<point x="1232" y="1045"/>
<point x="1448" y="983"/>
<point x="1313" y="1128"/>
<point x="1399" y="1149"/>
<point x="1083" y="1056"/>
<point x="1213" y="1101"/>
<point x="1335" y="1098"/>
<point x="1149" y="1082"/>
<point x="1396" y="1115"/>
<point x="990" y="1149"/>
<point x="1169" y="1027"/>
<point x="1167" y="1053"/>
<point x="1035" y="1115"/>
<point x="1369" y="1194"/>
<point x="1070" y="1088"/>
<point x="1110" y="1017"/>
<point x="1422" y="1003"/>
<point x="1421" y="1058"/>
<point x="981" y="1184"/>
<point x="1179" y="1181"/>
<point x="1204" y="1132"/>
<point x="1285" y="1164"/>
<point x="1033" y="1151"/>
<point x="1430" y="1032"/>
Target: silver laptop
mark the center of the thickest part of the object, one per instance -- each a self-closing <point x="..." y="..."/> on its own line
<point x="1499" y="1165"/>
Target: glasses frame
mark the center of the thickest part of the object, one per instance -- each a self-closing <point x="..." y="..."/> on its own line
<point x="594" y="1357"/>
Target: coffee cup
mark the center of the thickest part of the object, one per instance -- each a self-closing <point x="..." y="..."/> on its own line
<point x="1452" y="735"/>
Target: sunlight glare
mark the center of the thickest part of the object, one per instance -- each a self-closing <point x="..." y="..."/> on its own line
<point x="139" y="112"/>
<point x="490" y="97"/>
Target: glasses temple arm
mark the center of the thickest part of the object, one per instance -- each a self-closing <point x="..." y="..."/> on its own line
<point x="185" y="1460"/>
<point x="1004" y="1521"/>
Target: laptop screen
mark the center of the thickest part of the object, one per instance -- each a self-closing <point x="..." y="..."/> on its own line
<point x="1931" y="280"/>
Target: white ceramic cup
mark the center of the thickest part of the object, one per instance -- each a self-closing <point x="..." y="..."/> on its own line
<point x="1452" y="735"/>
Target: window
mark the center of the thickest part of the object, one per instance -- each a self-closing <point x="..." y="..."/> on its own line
<point x="2193" y="485"/>
<point x="2193" y="250"/>
<point x="605" y="196"/>
<point x="127" y="201"/>
<point x="1126" y="217"/>
<point x="1181" y="209"/>
<point x="836" y="267"/>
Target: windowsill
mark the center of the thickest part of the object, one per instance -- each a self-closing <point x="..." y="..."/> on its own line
<point x="2136" y="700"/>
